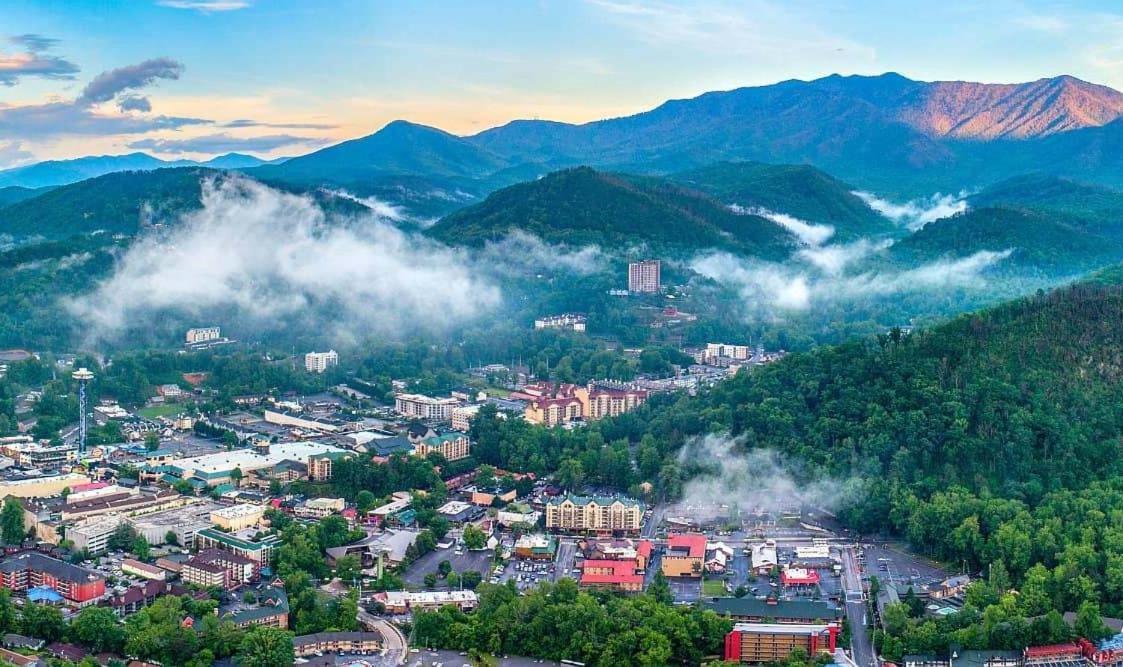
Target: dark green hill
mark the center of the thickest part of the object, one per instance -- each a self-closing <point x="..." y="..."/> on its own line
<point x="1049" y="242"/>
<point x="1095" y="207"/>
<point x="581" y="206"/>
<point x="114" y="203"/>
<point x="15" y="193"/>
<point x="798" y="190"/>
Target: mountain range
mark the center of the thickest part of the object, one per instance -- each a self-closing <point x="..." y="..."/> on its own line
<point x="62" y="172"/>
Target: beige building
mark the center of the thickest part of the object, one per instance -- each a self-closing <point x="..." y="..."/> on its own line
<point x="318" y="362"/>
<point x="452" y="445"/>
<point x="318" y="508"/>
<point x="594" y="514"/>
<point x="461" y="417"/>
<point x="237" y="517"/>
<point x="644" y="277"/>
<point x="556" y="405"/>
<point x="424" y="407"/>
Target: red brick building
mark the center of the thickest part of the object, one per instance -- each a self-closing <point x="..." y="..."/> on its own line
<point x="31" y="569"/>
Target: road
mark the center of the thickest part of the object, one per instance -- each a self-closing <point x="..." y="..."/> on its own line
<point x="392" y="638"/>
<point x="861" y="645"/>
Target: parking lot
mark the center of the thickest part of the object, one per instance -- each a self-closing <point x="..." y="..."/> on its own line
<point x="894" y="565"/>
<point x="479" y="561"/>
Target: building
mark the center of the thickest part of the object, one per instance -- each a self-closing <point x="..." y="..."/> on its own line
<point x="536" y="547"/>
<point x="215" y="469"/>
<point x="751" y="609"/>
<point x="569" y="321"/>
<point x="764" y="557"/>
<point x="182" y="522"/>
<point x="601" y="400"/>
<point x="556" y="405"/>
<point x="461" y="417"/>
<point x="318" y="508"/>
<point x="799" y="577"/>
<point x="243" y="543"/>
<point x="597" y="514"/>
<point x="684" y="556"/>
<point x="318" y="362"/>
<point x="345" y="643"/>
<point x="760" y="643"/>
<point x="237" y="517"/>
<point x="31" y="569"/>
<point x="950" y="587"/>
<point x="452" y="445"/>
<point x="202" y="335"/>
<point x="424" y="407"/>
<point x="405" y="602"/>
<point x="143" y="570"/>
<point x="93" y="534"/>
<point x="618" y="575"/>
<point x="644" y="276"/>
<point x="714" y="352"/>
<point x="216" y="567"/>
<point x="266" y="604"/>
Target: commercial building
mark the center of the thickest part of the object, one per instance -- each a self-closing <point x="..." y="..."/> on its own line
<point x="424" y="407"/>
<point x="237" y="517"/>
<point x="216" y="567"/>
<point x="594" y="514"/>
<point x="618" y="575"/>
<point x="684" y="556"/>
<point x="93" y="534"/>
<point x="202" y="335"/>
<point x="31" y="569"/>
<point x="39" y="486"/>
<point x="215" y="469"/>
<point x="751" y="609"/>
<point x="318" y="508"/>
<point x="461" y="417"/>
<point x="268" y="607"/>
<point x="143" y="570"/>
<point x="28" y="454"/>
<point x="318" y="362"/>
<point x="799" y="577"/>
<point x="345" y="643"/>
<point x="536" y="547"/>
<point x="182" y="522"/>
<point x="644" y="276"/>
<point x="716" y="351"/>
<point x="242" y="543"/>
<point x="556" y="405"/>
<point x="569" y="321"/>
<point x="452" y="445"/>
<point x="760" y="643"/>
<point x="404" y="602"/>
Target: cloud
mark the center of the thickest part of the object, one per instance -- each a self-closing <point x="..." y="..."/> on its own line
<point x="382" y="209"/>
<point x="916" y="213"/>
<point x="34" y="61"/>
<point x="807" y="233"/>
<point x="134" y="103"/>
<point x="206" y="6"/>
<point x="12" y="154"/>
<point x="278" y="262"/>
<point x="1042" y="23"/>
<point x="246" y="122"/>
<point x="223" y="143"/>
<point x="834" y="259"/>
<point x="80" y="116"/>
<point x="770" y="289"/>
<point x="525" y="253"/>
<point x="756" y="479"/>
<point x="107" y="85"/>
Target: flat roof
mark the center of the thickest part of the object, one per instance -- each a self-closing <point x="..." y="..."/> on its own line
<point x="248" y="459"/>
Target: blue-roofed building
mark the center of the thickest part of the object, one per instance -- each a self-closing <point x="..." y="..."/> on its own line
<point x="44" y="595"/>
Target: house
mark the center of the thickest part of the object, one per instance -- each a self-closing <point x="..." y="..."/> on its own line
<point x="403" y="602"/>
<point x="12" y="640"/>
<point x="951" y="587"/>
<point x="136" y="598"/>
<point x="719" y="556"/>
<point x="21" y="660"/>
<point x="799" y="577"/>
<point x="536" y="547"/>
<point x="620" y="575"/>
<point x="269" y="607"/>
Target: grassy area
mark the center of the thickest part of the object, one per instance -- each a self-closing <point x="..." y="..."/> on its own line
<point x="713" y="587"/>
<point x="155" y="411"/>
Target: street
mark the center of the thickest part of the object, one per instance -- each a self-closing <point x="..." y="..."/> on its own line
<point x="856" y="610"/>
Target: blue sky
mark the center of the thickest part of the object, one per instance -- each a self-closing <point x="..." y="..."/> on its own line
<point x="276" y="77"/>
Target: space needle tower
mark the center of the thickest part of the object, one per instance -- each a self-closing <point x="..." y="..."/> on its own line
<point x="83" y="376"/>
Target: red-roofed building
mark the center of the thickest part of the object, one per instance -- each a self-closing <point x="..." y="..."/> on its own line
<point x="1053" y="654"/>
<point x="616" y="574"/>
<point x="684" y="555"/>
<point x="799" y="577"/>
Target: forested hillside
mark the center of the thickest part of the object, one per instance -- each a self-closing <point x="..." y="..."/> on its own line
<point x="580" y="206"/>
<point x="796" y="189"/>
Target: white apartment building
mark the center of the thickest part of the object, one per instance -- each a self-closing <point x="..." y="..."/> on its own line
<point x="318" y="508"/>
<point x="727" y="351"/>
<point x="644" y="276"/>
<point x="566" y="321"/>
<point x="202" y="335"/>
<point x="424" y="407"/>
<point x="318" y="362"/>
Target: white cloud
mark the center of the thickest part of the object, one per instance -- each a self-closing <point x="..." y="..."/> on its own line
<point x="12" y="154"/>
<point x="274" y="259"/>
<point x="522" y="252"/>
<point x="808" y="233"/>
<point x="770" y="289"/>
<point x="834" y="259"/>
<point x="379" y="208"/>
<point x="916" y="213"/>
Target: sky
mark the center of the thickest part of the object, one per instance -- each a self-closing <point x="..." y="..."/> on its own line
<point x="197" y="78"/>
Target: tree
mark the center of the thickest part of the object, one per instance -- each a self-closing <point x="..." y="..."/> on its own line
<point x="348" y="568"/>
<point x="444" y="568"/>
<point x="364" y="501"/>
<point x="474" y="538"/>
<point x="42" y="621"/>
<point x="11" y="521"/>
<point x="430" y="580"/>
<point x="9" y="617"/>
<point x="570" y="474"/>
<point x="171" y="538"/>
<point x="660" y="589"/>
<point x="141" y="549"/>
<point x="152" y="441"/>
<point x="97" y="629"/>
<point x="236" y="476"/>
<point x="1088" y="623"/>
<point x="266" y="647"/>
<point x="471" y="578"/>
